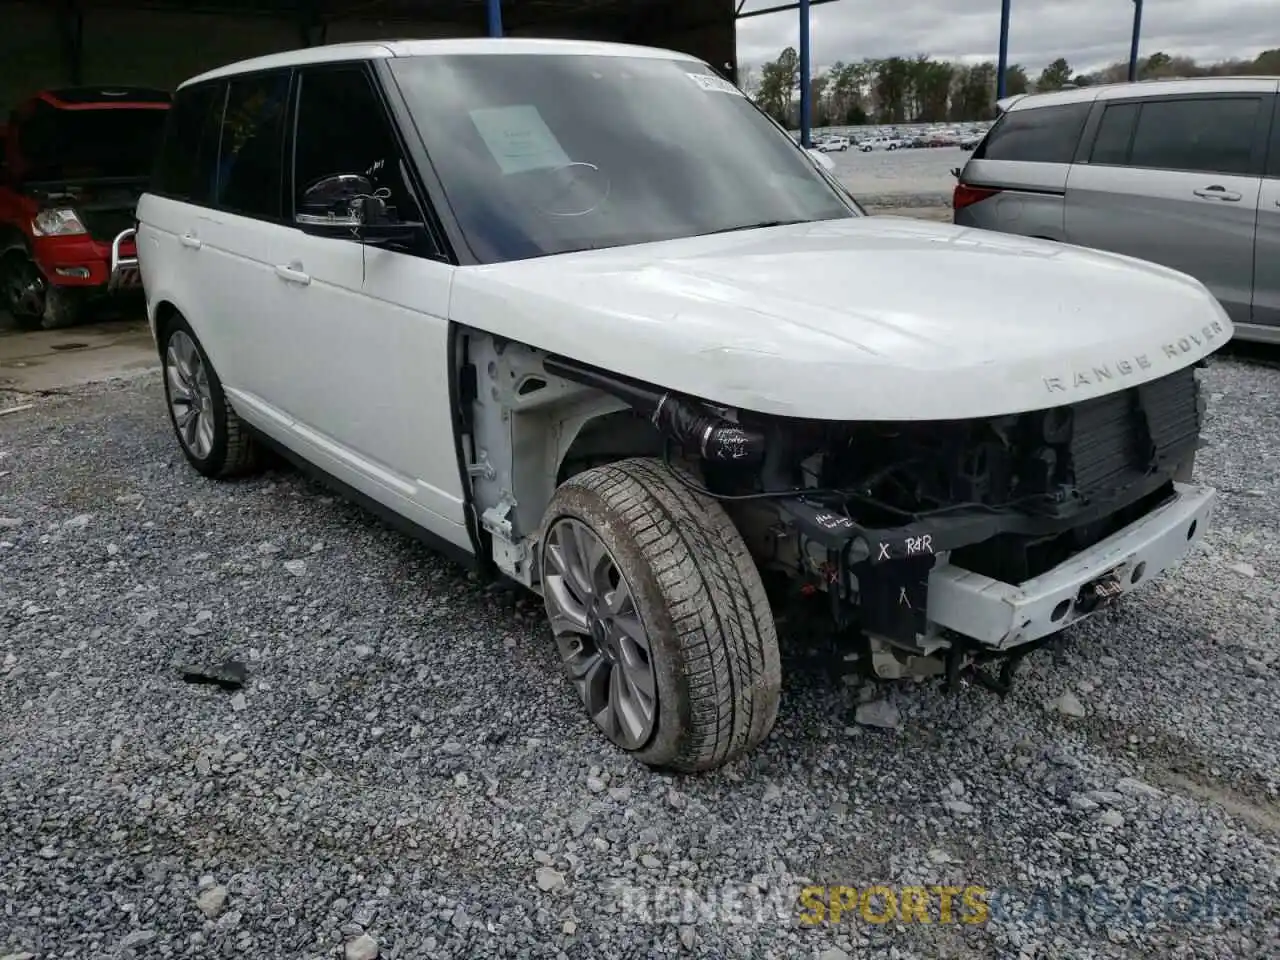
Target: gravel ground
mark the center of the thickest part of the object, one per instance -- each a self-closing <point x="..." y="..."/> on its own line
<point x="406" y="771"/>
<point x="900" y="177"/>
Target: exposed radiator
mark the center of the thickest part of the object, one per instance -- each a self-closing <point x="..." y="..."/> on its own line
<point x="1119" y="439"/>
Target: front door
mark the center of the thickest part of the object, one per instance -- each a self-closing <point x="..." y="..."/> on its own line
<point x="1176" y="182"/>
<point x="364" y="381"/>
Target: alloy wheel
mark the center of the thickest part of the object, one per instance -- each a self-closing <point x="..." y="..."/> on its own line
<point x="599" y="633"/>
<point x="190" y="399"/>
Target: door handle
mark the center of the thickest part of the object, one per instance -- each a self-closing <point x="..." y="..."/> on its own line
<point x="188" y="240"/>
<point x="1217" y="193"/>
<point x="293" y="273"/>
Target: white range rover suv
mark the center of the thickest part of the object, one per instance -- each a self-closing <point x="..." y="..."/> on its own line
<point x="583" y="316"/>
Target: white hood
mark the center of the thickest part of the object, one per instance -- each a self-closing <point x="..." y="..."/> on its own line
<point x="877" y="318"/>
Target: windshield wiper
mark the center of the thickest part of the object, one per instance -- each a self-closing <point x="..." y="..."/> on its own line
<point x="754" y="226"/>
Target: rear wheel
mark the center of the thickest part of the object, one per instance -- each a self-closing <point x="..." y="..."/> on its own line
<point x="212" y="436"/>
<point x="659" y="616"/>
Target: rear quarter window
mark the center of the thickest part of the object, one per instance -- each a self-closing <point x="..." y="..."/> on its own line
<point x="1036" y="135"/>
<point x="188" y="155"/>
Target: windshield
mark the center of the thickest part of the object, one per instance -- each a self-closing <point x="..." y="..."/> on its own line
<point x="58" y="145"/>
<point x="543" y="154"/>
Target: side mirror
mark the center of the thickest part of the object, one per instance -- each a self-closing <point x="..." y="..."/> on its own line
<point x="821" y="159"/>
<point x="334" y="206"/>
<point x="348" y="205"/>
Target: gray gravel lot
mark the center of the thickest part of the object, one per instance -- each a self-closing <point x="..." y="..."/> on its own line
<point x="902" y="178"/>
<point x="407" y="772"/>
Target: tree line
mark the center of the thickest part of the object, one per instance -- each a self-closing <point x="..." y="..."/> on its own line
<point x="922" y="89"/>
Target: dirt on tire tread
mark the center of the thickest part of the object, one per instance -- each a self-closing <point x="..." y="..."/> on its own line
<point x="720" y="615"/>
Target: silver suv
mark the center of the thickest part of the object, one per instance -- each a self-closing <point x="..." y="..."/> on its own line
<point x="1184" y="173"/>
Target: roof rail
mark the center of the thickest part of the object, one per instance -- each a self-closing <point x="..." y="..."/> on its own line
<point x="1007" y="102"/>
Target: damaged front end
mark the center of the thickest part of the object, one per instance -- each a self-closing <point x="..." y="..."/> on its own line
<point x="944" y="544"/>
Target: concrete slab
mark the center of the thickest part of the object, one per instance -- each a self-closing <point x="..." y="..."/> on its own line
<point x="49" y="360"/>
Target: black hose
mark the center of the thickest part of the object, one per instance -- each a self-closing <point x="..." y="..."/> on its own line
<point x="689" y="422"/>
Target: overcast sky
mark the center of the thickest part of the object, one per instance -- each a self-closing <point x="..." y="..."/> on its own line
<point x="1089" y="33"/>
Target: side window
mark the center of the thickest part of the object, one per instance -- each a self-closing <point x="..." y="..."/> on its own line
<point x="1038" y="135"/>
<point x="343" y="128"/>
<point x="1211" y="135"/>
<point x="1115" y="133"/>
<point x="250" y="158"/>
<point x="189" y="151"/>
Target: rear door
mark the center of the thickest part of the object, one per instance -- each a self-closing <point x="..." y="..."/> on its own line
<point x="238" y="233"/>
<point x="1016" y="178"/>
<point x="1266" y="264"/>
<point x="170" y="251"/>
<point x="1175" y="180"/>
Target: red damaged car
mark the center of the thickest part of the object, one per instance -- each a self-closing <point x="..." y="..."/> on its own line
<point x="75" y="162"/>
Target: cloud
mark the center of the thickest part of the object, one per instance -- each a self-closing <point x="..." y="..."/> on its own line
<point x="1089" y="33"/>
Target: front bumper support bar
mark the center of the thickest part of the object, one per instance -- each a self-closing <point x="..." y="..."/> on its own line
<point x="1004" y="616"/>
<point x="124" y="270"/>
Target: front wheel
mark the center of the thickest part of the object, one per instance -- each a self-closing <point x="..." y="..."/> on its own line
<point x="22" y="290"/>
<point x="660" y="616"/>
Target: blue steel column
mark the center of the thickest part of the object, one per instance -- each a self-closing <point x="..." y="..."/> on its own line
<point x="805" y="84"/>
<point x="1133" y="46"/>
<point x="1003" y="66"/>
<point x="495" y="18"/>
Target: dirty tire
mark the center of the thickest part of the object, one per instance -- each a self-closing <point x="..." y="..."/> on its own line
<point x="62" y="308"/>
<point x="701" y="600"/>
<point x="233" y="452"/>
<point x="15" y="266"/>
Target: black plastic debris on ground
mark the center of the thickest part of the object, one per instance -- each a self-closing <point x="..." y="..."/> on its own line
<point x="229" y="675"/>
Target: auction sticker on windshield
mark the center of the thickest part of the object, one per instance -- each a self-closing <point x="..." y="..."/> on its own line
<point x="519" y="138"/>
<point x="713" y="84"/>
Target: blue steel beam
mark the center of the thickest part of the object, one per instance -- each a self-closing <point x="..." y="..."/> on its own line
<point x="495" y="18"/>
<point x="806" y="66"/>
<point x="1002" y="66"/>
<point x="780" y="8"/>
<point x="1133" y="44"/>
<point x="806" y="108"/>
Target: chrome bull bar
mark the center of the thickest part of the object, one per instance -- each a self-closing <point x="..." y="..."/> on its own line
<point x="124" y="270"/>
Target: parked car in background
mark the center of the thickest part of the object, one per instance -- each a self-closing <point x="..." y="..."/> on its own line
<point x="834" y="145"/>
<point x="881" y="143"/>
<point x="469" y="313"/>
<point x="1184" y="173"/>
<point x="76" y="162"/>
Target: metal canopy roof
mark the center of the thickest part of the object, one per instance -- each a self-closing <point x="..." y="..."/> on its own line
<point x="515" y="13"/>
